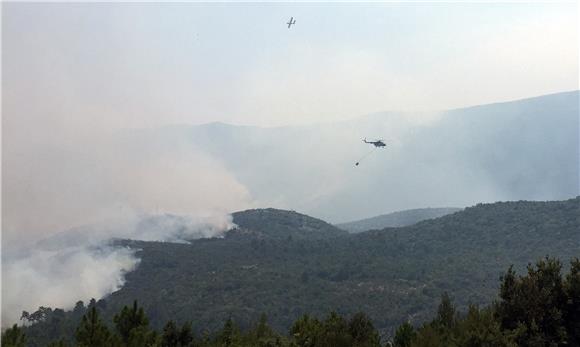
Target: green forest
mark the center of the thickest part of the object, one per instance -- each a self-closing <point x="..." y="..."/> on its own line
<point x="537" y="309"/>
<point x="302" y="273"/>
<point x="286" y="265"/>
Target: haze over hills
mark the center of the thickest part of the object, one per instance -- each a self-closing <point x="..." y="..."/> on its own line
<point x="396" y="219"/>
<point x="132" y="133"/>
<point x="393" y="274"/>
<point x="524" y="149"/>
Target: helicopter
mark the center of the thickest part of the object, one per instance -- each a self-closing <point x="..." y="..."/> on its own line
<point x="376" y="143"/>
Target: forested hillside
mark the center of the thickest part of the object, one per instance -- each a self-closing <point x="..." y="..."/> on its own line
<point x="394" y="274"/>
<point x="539" y="308"/>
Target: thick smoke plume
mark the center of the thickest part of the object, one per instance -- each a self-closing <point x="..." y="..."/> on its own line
<point x="58" y="278"/>
<point x="66" y="197"/>
<point x="81" y="263"/>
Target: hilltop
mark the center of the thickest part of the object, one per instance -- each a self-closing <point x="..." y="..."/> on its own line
<point x="282" y="224"/>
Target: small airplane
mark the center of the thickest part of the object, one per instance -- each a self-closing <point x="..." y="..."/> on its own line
<point x="292" y="21"/>
<point x="377" y="143"/>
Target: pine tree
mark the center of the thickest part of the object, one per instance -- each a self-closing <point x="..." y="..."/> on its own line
<point x="229" y="333"/>
<point x="186" y="337"/>
<point x="508" y="308"/>
<point x="335" y="332"/>
<point x="263" y="329"/>
<point x="572" y="309"/>
<point x="404" y="335"/>
<point x="13" y="337"/>
<point x="480" y="328"/>
<point x="91" y="332"/>
<point x="142" y="336"/>
<point x="446" y="314"/>
<point x="362" y="331"/>
<point x="305" y="331"/>
<point x="533" y="306"/>
<point x="429" y="336"/>
<point x="170" y="337"/>
<point x="132" y="325"/>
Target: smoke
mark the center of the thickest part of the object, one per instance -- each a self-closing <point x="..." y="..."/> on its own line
<point x="81" y="263"/>
<point x="70" y="164"/>
<point x="525" y="149"/>
<point x="59" y="278"/>
<point x="111" y="185"/>
<point x="86" y="181"/>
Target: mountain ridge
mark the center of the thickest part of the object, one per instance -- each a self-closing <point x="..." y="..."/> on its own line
<point x="396" y="219"/>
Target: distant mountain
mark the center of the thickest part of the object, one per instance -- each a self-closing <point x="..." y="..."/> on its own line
<point x="393" y="274"/>
<point x="518" y="150"/>
<point x="396" y="219"/>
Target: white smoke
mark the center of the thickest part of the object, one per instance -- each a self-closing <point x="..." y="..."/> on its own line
<point x="81" y="263"/>
<point x="66" y="197"/>
<point x="59" y="278"/>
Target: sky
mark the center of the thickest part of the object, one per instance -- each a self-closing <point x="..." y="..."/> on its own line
<point x="75" y="74"/>
<point x="147" y="64"/>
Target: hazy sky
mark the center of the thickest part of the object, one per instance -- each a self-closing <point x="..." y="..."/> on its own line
<point x="146" y="64"/>
<point x="74" y="74"/>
